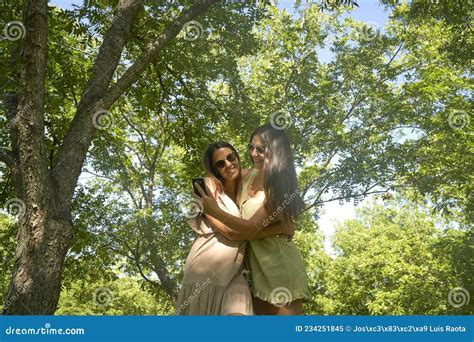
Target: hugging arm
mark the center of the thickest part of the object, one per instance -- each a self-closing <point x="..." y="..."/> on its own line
<point x="257" y="227"/>
<point x="237" y="228"/>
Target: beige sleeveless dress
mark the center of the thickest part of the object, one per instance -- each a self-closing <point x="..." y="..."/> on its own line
<point x="213" y="282"/>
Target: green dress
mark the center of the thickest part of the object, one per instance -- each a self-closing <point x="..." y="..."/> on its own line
<point x="277" y="272"/>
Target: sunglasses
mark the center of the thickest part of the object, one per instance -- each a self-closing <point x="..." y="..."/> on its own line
<point x="260" y="149"/>
<point x="230" y="157"/>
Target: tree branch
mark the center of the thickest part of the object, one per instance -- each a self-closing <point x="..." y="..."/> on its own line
<point x="139" y="267"/>
<point x="324" y="166"/>
<point x="363" y="194"/>
<point x="151" y="53"/>
<point x="142" y="139"/>
<point x="73" y="150"/>
<point x="82" y="128"/>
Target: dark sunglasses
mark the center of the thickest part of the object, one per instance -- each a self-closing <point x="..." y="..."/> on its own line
<point x="260" y="149"/>
<point x="230" y="157"/>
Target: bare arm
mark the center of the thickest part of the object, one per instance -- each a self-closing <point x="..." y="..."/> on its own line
<point x="233" y="234"/>
<point x="257" y="222"/>
<point x="241" y="229"/>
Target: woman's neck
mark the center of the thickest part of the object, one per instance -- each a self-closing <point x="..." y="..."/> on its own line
<point x="229" y="187"/>
<point x="259" y="176"/>
<point x="257" y="182"/>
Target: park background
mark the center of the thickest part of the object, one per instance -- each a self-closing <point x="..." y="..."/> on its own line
<point x="375" y="96"/>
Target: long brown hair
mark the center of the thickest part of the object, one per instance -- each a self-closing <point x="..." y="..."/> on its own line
<point x="212" y="171"/>
<point x="280" y="185"/>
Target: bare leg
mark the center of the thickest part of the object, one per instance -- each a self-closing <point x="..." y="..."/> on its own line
<point x="262" y="307"/>
<point x="293" y="308"/>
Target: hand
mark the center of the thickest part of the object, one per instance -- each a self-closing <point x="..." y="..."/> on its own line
<point x="288" y="228"/>
<point x="209" y="204"/>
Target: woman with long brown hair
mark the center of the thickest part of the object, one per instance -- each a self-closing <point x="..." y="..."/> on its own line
<point x="269" y="194"/>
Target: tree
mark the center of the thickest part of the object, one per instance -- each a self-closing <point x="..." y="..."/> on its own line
<point x="379" y="117"/>
<point x="390" y="260"/>
<point x="121" y="295"/>
<point x="45" y="229"/>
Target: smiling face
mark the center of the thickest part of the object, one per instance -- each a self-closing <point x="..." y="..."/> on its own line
<point x="257" y="158"/>
<point x="230" y="170"/>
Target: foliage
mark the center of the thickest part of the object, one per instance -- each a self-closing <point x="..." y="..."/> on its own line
<point x="398" y="259"/>
<point x="391" y="110"/>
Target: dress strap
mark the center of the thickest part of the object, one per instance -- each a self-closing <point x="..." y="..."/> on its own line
<point x="245" y="184"/>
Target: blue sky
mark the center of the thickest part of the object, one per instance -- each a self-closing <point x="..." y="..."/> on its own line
<point x="368" y="11"/>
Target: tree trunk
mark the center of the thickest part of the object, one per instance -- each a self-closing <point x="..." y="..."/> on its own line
<point x="35" y="285"/>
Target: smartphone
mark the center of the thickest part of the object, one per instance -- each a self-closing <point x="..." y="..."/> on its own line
<point x="202" y="184"/>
